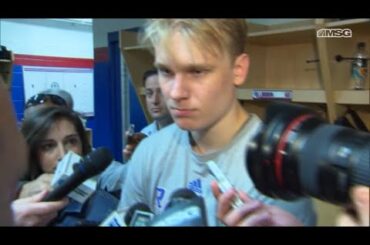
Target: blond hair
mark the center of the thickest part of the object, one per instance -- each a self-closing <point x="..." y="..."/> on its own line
<point x="217" y="36"/>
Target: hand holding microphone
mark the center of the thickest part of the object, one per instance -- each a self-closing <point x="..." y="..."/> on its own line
<point x="251" y="212"/>
<point x="91" y="165"/>
<point x="43" y="182"/>
<point x="184" y="209"/>
<point x="223" y="183"/>
<point x="138" y="215"/>
<point x="237" y="209"/>
<point x="31" y="211"/>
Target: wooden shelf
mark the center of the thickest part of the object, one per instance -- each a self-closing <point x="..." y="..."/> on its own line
<point x="353" y="97"/>
<point x="302" y="34"/>
<point x="301" y="95"/>
<point x="358" y="26"/>
<point x="349" y="22"/>
<point x="136" y="48"/>
<point x="309" y="96"/>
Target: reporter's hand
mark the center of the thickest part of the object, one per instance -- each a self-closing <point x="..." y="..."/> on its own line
<point x="132" y="141"/>
<point x="360" y="199"/>
<point x="30" y="211"/>
<point x="251" y="213"/>
<point x="127" y="151"/>
<point x="43" y="182"/>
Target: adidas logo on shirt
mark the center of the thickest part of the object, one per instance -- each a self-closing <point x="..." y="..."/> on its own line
<point x="196" y="186"/>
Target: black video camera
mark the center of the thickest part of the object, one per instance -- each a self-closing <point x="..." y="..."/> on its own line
<point x="297" y="153"/>
<point x="6" y="62"/>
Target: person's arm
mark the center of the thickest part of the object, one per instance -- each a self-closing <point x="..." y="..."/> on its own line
<point x="360" y="199"/>
<point x="251" y="213"/>
<point x="112" y="177"/>
<point x="134" y="184"/>
<point x="30" y="211"/>
<point x="13" y="155"/>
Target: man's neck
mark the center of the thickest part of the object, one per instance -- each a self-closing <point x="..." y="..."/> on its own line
<point x="220" y="134"/>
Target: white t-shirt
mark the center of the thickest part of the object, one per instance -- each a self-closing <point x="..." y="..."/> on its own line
<point x="165" y="162"/>
<point x="150" y="129"/>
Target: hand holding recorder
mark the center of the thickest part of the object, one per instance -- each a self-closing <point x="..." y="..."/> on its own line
<point x="238" y="209"/>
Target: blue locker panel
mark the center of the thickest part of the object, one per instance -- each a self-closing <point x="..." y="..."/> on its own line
<point x="17" y="92"/>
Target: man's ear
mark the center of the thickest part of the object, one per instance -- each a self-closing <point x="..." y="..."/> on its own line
<point x="241" y="68"/>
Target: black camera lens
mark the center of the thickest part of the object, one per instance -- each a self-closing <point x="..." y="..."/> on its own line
<point x="6" y="61"/>
<point x="4" y="53"/>
<point x="298" y="154"/>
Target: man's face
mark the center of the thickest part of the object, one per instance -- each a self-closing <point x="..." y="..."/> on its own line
<point x="198" y="86"/>
<point x="154" y="99"/>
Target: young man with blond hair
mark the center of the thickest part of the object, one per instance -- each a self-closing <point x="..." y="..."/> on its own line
<point x="200" y="63"/>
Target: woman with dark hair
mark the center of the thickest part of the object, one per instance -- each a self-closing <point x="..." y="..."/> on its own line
<point x="50" y="133"/>
<point x="26" y="211"/>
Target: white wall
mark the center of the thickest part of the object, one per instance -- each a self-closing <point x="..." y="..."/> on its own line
<point x="47" y="37"/>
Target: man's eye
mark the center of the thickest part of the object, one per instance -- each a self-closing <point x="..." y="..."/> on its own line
<point x="198" y="72"/>
<point x="164" y="72"/>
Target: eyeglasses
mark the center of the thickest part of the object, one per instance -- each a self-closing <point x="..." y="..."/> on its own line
<point x="39" y="99"/>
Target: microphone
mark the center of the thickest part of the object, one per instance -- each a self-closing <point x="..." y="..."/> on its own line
<point x="91" y="165"/>
<point x="180" y="195"/>
<point x="138" y="215"/>
<point x="184" y="209"/>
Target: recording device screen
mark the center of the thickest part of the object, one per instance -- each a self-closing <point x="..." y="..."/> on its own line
<point x="141" y="218"/>
<point x="184" y="209"/>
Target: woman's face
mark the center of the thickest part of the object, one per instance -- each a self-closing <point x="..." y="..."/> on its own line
<point x="61" y="138"/>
